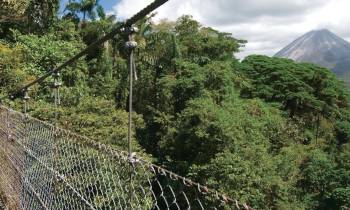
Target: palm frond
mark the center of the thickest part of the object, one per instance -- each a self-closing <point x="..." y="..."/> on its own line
<point x="101" y="12"/>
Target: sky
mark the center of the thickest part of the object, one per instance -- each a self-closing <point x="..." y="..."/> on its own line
<point x="267" y="25"/>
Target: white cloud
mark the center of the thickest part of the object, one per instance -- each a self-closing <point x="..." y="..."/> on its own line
<point x="268" y="25"/>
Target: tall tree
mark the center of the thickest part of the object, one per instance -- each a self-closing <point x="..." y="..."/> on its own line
<point x="12" y="10"/>
<point x="88" y="8"/>
<point x="41" y="14"/>
<point x="12" y="15"/>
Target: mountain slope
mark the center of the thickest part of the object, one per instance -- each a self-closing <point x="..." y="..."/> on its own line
<point x="321" y="47"/>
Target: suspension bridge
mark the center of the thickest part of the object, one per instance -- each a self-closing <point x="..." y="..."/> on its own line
<point x="45" y="167"/>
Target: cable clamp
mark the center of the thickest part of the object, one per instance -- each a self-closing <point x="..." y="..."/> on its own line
<point x="133" y="159"/>
<point x="26" y="96"/>
<point x="130" y="45"/>
<point x="129" y="30"/>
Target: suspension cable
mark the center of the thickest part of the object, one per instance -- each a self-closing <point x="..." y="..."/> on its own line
<point x="130" y="46"/>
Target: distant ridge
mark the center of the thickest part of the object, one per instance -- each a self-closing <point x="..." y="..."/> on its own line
<point x="321" y="47"/>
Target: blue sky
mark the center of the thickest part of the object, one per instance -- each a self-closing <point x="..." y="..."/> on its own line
<point x="107" y="4"/>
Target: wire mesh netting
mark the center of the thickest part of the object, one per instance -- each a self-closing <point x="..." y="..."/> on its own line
<point x="44" y="167"/>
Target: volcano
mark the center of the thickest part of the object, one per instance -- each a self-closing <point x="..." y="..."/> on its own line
<point x="323" y="48"/>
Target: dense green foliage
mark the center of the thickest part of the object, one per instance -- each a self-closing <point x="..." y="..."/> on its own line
<point x="266" y="131"/>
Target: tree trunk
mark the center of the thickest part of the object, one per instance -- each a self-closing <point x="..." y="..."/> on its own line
<point x="317" y="128"/>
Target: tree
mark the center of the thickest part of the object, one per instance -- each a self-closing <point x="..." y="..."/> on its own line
<point x="301" y="88"/>
<point x="12" y="68"/>
<point x="12" y="15"/>
<point x="201" y="44"/>
<point x="318" y="171"/>
<point x="12" y="10"/>
<point x="340" y="196"/>
<point x="87" y="7"/>
<point x="343" y="132"/>
<point x="41" y="14"/>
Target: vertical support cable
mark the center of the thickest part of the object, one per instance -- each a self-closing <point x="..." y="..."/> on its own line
<point x="130" y="45"/>
<point x="57" y="102"/>
<point x="23" y="174"/>
<point x="130" y="124"/>
<point x="130" y="102"/>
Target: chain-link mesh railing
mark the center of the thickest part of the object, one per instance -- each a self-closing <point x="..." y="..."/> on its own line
<point x="43" y="167"/>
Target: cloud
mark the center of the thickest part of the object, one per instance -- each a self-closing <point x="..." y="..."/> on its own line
<point x="268" y="25"/>
<point x="223" y="12"/>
